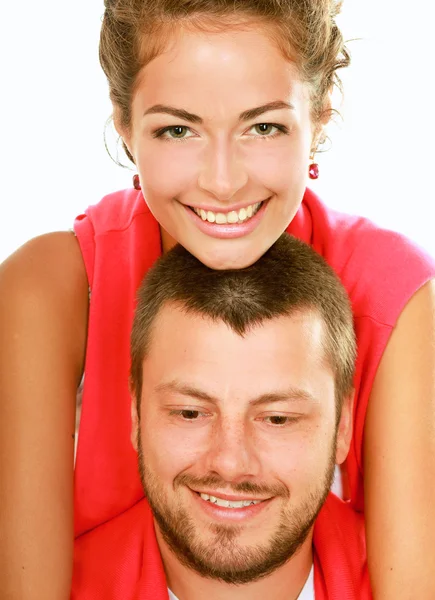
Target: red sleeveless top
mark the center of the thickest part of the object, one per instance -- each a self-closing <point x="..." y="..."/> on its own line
<point x="120" y="240"/>
<point x="120" y="560"/>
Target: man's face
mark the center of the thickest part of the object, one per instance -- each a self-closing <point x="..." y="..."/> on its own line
<point x="237" y="440"/>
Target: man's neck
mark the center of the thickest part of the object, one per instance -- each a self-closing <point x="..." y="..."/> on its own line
<point x="285" y="583"/>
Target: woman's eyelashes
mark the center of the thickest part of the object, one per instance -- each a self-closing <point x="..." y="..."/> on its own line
<point x="269" y="130"/>
<point x="181" y="133"/>
<point x="173" y="133"/>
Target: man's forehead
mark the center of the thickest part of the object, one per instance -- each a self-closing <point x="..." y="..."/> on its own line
<point x="179" y="333"/>
<point x="190" y="354"/>
<point x="304" y="323"/>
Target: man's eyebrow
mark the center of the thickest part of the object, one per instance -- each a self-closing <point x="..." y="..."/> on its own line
<point x="292" y="394"/>
<point x="191" y="391"/>
<point x="247" y="115"/>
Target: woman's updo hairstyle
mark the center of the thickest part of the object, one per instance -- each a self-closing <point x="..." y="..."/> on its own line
<point x="134" y="32"/>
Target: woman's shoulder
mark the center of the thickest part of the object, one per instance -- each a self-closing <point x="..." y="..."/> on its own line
<point x="380" y="268"/>
<point x="118" y="235"/>
<point x="44" y="295"/>
<point x="45" y="263"/>
<point x="114" y="212"/>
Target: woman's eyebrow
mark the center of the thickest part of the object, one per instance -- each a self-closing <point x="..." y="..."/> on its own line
<point x="247" y="115"/>
<point x="253" y="113"/>
<point x="175" y="112"/>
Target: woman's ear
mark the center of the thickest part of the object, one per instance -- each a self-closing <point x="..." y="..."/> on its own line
<point x="327" y="111"/>
<point x="319" y="132"/>
<point x="122" y="132"/>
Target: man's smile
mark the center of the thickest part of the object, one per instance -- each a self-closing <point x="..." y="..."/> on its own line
<point x="234" y="508"/>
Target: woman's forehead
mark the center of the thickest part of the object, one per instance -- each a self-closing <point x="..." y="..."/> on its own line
<point x="198" y="68"/>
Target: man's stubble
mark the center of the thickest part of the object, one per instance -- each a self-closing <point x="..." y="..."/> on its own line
<point x="224" y="559"/>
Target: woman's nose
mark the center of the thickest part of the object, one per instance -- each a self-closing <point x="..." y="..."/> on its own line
<point x="222" y="174"/>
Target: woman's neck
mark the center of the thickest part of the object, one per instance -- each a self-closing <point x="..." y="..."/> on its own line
<point x="168" y="241"/>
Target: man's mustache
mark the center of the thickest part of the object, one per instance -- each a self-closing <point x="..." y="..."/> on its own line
<point x="213" y="481"/>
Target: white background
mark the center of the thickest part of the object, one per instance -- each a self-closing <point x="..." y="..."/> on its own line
<point x="54" y="104"/>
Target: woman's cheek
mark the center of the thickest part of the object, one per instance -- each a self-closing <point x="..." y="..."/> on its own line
<point x="169" y="172"/>
<point x="279" y="167"/>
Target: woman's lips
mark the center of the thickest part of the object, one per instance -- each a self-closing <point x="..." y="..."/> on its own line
<point x="228" y="230"/>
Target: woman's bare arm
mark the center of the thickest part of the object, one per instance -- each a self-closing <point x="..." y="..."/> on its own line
<point x="399" y="458"/>
<point x="43" y="324"/>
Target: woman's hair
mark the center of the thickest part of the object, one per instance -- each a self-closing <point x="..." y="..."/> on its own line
<point x="136" y="31"/>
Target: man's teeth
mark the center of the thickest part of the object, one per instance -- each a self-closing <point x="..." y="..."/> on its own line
<point x="232" y="217"/>
<point x="227" y="503"/>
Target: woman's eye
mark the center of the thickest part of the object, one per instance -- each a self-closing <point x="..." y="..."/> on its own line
<point x="182" y="132"/>
<point x="268" y="129"/>
<point x="264" y="128"/>
<point x="175" y="132"/>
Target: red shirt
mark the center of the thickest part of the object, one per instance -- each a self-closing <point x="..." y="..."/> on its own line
<point x="120" y="560"/>
<point x="120" y="240"/>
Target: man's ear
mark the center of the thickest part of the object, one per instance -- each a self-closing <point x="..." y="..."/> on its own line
<point x="345" y="429"/>
<point x="134" y="417"/>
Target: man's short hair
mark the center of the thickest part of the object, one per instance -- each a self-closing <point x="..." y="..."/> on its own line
<point x="289" y="278"/>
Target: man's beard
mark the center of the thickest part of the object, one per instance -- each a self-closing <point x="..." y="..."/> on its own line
<point x="223" y="558"/>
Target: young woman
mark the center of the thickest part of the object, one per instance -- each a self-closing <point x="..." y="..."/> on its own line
<point x="221" y="106"/>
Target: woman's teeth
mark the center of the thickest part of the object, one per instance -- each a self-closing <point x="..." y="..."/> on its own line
<point x="232" y="217"/>
<point x="228" y="503"/>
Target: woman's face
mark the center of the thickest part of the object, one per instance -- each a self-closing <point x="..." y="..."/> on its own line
<point x="221" y="136"/>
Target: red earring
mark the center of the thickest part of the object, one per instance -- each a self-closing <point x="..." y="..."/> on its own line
<point x="313" y="170"/>
<point x="136" y="182"/>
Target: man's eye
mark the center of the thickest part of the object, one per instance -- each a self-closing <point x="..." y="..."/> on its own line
<point x="189" y="415"/>
<point x="280" y="420"/>
<point x="277" y="420"/>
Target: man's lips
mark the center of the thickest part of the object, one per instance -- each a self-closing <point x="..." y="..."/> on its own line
<point x="230" y="497"/>
<point x="232" y="508"/>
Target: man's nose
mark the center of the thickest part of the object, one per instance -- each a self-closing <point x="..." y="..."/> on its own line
<point x="222" y="173"/>
<point x="232" y="453"/>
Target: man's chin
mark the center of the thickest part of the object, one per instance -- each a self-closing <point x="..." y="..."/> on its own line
<point x="226" y="552"/>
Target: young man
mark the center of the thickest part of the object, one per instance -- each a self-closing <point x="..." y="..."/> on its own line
<point x="241" y="407"/>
